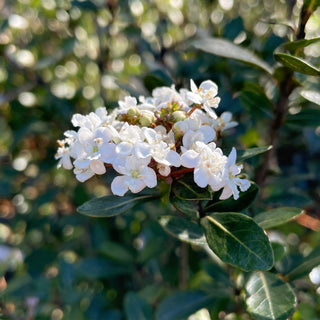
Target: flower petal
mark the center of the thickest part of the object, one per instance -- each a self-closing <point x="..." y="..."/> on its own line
<point x="190" y="159"/>
<point x="119" y="186"/>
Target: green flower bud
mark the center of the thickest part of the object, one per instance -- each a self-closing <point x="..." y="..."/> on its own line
<point x="179" y="115"/>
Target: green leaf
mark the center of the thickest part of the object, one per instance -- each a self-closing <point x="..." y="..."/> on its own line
<point x="183" y="229"/>
<point x="252" y="152"/>
<point x="292" y="46"/>
<point x="186" y="207"/>
<point x="312" y="96"/>
<point x="182" y="304"/>
<point x="95" y="268"/>
<point x="245" y="200"/>
<point x="236" y="239"/>
<point x="116" y="252"/>
<point x="227" y="49"/>
<point x="112" y="205"/>
<point x="255" y="101"/>
<point x="308" y="263"/>
<point x="276" y="217"/>
<point x="269" y="298"/>
<point x="305" y="118"/>
<point x="297" y="64"/>
<point x="136" y="307"/>
<point x="186" y="189"/>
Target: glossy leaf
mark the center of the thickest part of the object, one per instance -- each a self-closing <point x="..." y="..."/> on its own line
<point x="252" y="152"/>
<point x="111" y="205"/>
<point x="269" y="298"/>
<point x="227" y="49"/>
<point x="136" y="308"/>
<point x="312" y="96"/>
<point x="299" y="44"/>
<point x="181" y="304"/>
<point x="186" y="207"/>
<point x="254" y="99"/>
<point x="297" y="64"/>
<point x="304" y="267"/>
<point x="183" y="229"/>
<point x="305" y="118"/>
<point x="245" y="200"/>
<point x="186" y="189"/>
<point x="236" y="239"/>
<point x="276" y="217"/>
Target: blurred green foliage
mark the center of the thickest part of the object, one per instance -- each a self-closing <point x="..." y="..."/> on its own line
<point x="64" y="57"/>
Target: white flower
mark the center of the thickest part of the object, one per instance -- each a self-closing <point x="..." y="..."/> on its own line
<point x="206" y="95"/>
<point x="208" y="163"/>
<point x="224" y="122"/>
<point x="164" y="95"/>
<point x="128" y="103"/>
<point x="204" y="134"/>
<point x="136" y="175"/>
<point x="232" y="182"/>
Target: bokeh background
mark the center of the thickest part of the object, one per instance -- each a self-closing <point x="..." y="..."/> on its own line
<point x="60" y="57"/>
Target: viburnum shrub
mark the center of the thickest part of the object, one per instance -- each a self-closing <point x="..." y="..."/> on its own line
<point x="169" y="147"/>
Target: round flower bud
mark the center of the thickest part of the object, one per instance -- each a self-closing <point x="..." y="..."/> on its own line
<point x="179" y="115"/>
<point x="133" y="112"/>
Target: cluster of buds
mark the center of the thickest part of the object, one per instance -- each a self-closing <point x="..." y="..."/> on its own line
<point x="158" y="137"/>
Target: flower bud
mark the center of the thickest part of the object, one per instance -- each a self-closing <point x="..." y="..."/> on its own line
<point x="179" y="115"/>
<point x="133" y="112"/>
<point x="146" y="120"/>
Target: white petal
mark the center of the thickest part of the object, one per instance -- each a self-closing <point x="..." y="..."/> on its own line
<point x="210" y="112"/>
<point x="108" y="152"/>
<point x="226" y="193"/>
<point x="66" y="162"/>
<point x="97" y="166"/>
<point x="141" y="150"/>
<point x="201" y="177"/>
<point x="124" y="148"/>
<point x="190" y="159"/>
<point x="82" y="163"/>
<point x="174" y="158"/>
<point x="209" y="85"/>
<point x="232" y="157"/>
<point x="84" y="175"/>
<point x="195" y="98"/>
<point x="226" y="116"/>
<point x="244" y="184"/>
<point x="150" y="134"/>
<point x="164" y="170"/>
<point x="119" y="186"/>
<point x="208" y="133"/>
<point x="193" y="86"/>
<point x="136" y="185"/>
<point x="85" y="136"/>
<point x="149" y="177"/>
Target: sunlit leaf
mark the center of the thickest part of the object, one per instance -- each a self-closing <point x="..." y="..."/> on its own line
<point x="299" y="44"/>
<point x="182" y="304"/>
<point x="276" y="217"/>
<point x="246" y="198"/>
<point x="297" y="64"/>
<point x="183" y="229"/>
<point x="227" y="49"/>
<point x="236" y="239"/>
<point x="112" y="205"/>
<point x="312" y="96"/>
<point x="269" y="298"/>
<point x="252" y="152"/>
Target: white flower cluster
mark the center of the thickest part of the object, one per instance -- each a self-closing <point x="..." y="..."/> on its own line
<point x="158" y="137"/>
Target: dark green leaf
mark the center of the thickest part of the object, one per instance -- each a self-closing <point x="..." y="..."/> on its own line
<point x="227" y="49"/>
<point x="305" y="118"/>
<point x="297" y="64"/>
<point x="116" y="252"/>
<point x="183" y="229"/>
<point x="136" y="308"/>
<point x="111" y="205"/>
<point x="292" y="46"/>
<point x="252" y="152"/>
<point x="94" y="268"/>
<point x="186" y="207"/>
<point x="312" y="96"/>
<point x="245" y="200"/>
<point x="269" y="298"/>
<point x="276" y="217"/>
<point x="85" y="5"/>
<point x="180" y="305"/>
<point x="308" y="263"/>
<point x="255" y="101"/>
<point x="279" y="251"/>
<point x="236" y="239"/>
<point x="186" y="189"/>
